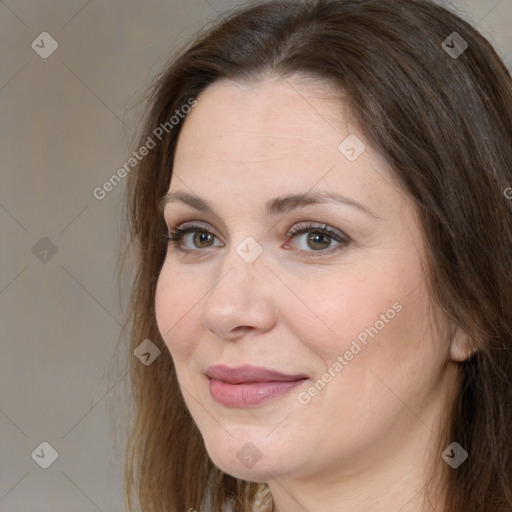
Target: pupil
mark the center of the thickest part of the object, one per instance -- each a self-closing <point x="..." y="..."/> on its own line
<point x="321" y="235"/>
<point x="201" y="237"/>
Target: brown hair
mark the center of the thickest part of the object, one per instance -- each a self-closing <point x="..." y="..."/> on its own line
<point x="444" y="125"/>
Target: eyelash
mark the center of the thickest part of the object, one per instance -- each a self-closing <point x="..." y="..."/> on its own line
<point x="176" y="235"/>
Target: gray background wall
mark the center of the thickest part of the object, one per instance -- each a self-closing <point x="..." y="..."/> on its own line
<point x="66" y="126"/>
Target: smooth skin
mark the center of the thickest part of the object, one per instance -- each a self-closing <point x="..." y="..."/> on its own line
<point x="364" y="441"/>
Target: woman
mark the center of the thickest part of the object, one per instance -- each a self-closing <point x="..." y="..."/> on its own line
<point x="324" y="262"/>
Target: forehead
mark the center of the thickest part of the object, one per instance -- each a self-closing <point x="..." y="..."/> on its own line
<point x="272" y="116"/>
<point x="272" y="137"/>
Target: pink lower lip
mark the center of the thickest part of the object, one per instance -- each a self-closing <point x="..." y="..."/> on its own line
<point x="253" y="393"/>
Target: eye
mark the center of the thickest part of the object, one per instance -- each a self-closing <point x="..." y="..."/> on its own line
<point x="201" y="236"/>
<point x="319" y="239"/>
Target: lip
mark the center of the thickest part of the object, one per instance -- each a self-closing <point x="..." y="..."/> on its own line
<point x="248" y="373"/>
<point x="247" y="385"/>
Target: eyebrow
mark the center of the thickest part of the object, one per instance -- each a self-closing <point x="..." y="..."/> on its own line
<point x="273" y="207"/>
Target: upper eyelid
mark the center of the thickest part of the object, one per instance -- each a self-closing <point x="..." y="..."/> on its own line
<point x="297" y="228"/>
<point x="191" y="223"/>
<point x="181" y="209"/>
<point x="176" y="222"/>
<point x="313" y="224"/>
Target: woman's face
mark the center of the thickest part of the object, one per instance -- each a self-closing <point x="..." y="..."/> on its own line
<point x="344" y="314"/>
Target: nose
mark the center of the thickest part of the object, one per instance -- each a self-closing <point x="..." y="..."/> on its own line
<point x="242" y="297"/>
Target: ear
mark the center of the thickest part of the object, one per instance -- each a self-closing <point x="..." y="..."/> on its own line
<point x="461" y="345"/>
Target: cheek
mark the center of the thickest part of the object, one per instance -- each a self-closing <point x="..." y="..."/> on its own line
<point x="378" y="318"/>
<point x="175" y="300"/>
<point x="383" y="354"/>
<point x="329" y="313"/>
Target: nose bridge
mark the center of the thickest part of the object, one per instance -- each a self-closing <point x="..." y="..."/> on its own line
<point x="242" y="269"/>
<point x="240" y="295"/>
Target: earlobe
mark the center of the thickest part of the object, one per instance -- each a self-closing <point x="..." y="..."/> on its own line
<point x="461" y="346"/>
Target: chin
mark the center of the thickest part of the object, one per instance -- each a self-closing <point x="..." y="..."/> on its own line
<point x="245" y="461"/>
<point x="249" y="475"/>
